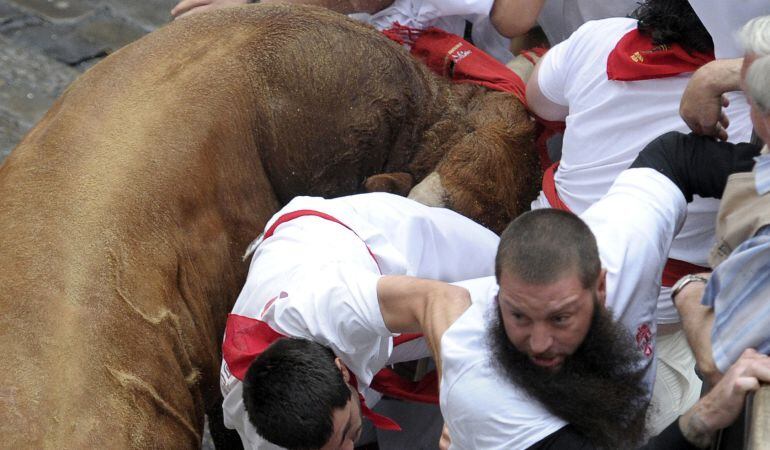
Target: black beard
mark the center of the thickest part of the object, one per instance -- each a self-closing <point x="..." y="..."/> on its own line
<point x="599" y="389"/>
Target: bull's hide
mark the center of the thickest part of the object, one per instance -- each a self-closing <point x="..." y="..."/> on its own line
<point x="126" y="210"/>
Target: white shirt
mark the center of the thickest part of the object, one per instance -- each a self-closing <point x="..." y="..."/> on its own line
<point x="560" y="18"/>
<point x="634" y="225"/>
<point x="450" y="16"/>
<point x="316" y="279"/>
<point x="610" y="122"/>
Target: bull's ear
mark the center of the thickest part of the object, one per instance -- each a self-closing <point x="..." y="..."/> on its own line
<point x="395" y="183"/>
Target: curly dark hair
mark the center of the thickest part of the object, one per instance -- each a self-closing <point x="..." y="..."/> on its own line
<point x="673" y="21"/>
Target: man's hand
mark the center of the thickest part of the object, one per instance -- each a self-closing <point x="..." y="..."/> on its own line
<point x="722" y="405"/>
<point x="186" y="7"/>
<point x="703" y="98"/>
<point x="445" y="441"/>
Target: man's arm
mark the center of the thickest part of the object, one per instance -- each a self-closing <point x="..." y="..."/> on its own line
<point x="410" y="304"/>
<point x="513" y="18"/>
<point x="703" y="99"/>
<point x="696" y="164"/>
<point x="722" y="405"/>
<point x="539" y="104"/>
<point x="698" y="426"/>
<point x="697" y="321"/>
<point x="341" y="6"/>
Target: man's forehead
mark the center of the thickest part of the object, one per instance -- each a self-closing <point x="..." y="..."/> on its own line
<point x="560" y="294"/>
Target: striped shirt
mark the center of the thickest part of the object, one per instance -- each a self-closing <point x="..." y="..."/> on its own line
<point x="739" y="293"/>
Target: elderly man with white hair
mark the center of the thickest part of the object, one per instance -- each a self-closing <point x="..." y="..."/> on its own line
<point x="727" y="313"/>
<point x="717" y="84"/>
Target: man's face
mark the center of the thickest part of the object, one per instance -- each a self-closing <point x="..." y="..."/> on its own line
<point x="347" y="425"/>
<point x="604" y="374"/>
<point x="547" y="322"/>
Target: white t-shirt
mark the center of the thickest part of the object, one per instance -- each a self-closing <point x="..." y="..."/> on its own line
<point x="450" y="16"/>
<point x="316" y="279"/>
<point x="560" y="18"/>
<point x="633" y="225"/>
<point x="610" y="122"/>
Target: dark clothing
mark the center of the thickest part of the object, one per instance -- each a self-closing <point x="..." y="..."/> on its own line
<point x="568" y="438"/>
<point x="697" y="164"/>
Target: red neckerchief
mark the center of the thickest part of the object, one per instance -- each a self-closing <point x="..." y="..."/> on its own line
<point x="453" y="57"/>
<point x="635" y="57"/>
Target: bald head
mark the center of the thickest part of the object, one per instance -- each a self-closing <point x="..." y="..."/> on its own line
<point x="544" y="245"/>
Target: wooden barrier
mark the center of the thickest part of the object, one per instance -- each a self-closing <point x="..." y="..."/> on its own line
<point x="758" y="420"/>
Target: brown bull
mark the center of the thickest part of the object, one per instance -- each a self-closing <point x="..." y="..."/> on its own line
<point x="126" y="210"/>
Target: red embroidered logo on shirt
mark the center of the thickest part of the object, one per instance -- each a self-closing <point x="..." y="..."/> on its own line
<point x="271" y="301"/>
<point x="644" y="339"/>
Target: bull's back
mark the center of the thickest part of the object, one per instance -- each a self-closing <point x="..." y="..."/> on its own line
<point x="126" y="209"/>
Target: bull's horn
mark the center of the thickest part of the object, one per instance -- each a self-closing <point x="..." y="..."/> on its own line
<point x="429" y="191"/>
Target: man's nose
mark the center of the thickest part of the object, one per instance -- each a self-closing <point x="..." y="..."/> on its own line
<point x="540" y="340"/>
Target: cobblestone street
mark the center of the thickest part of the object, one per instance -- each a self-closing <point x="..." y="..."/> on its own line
<point x="45" y="44"/>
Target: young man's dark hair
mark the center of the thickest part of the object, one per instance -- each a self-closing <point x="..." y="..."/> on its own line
<point x="673" y="21"/>
<point x="291" y="391"/>
<point x="541" y="246"/>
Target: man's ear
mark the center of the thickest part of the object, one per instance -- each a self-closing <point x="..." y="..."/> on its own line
<point x="601" y="287"/>
<point x="340" y="365"/>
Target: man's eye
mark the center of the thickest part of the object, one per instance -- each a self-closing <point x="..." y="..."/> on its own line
<point x="520" y="318"/>
<point x="560" y="318"/>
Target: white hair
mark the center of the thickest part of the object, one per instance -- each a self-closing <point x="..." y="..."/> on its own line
<point x="758" y="83"/>
<point x="755" y="36"/>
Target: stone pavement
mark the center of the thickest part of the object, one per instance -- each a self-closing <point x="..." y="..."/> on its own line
<point x="45" y="44"/>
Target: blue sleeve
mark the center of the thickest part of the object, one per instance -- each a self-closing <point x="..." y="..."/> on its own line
<point x="738" y="291"/>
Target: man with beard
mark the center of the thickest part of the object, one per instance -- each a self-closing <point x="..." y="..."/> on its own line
<point x="560" y="355"/>
<point x="617" y="83"/>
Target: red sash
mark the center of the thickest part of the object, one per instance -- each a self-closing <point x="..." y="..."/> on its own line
<point x="453" y="57"/>
<point x="674" y="268"/>
<point x="246" y="338"/>
<point x="635" y="57"/>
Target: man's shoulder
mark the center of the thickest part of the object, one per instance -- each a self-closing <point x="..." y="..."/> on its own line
<point x="463" y="345"/>
<point x="584" y="53"/>
<point x="464" y="340"/>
